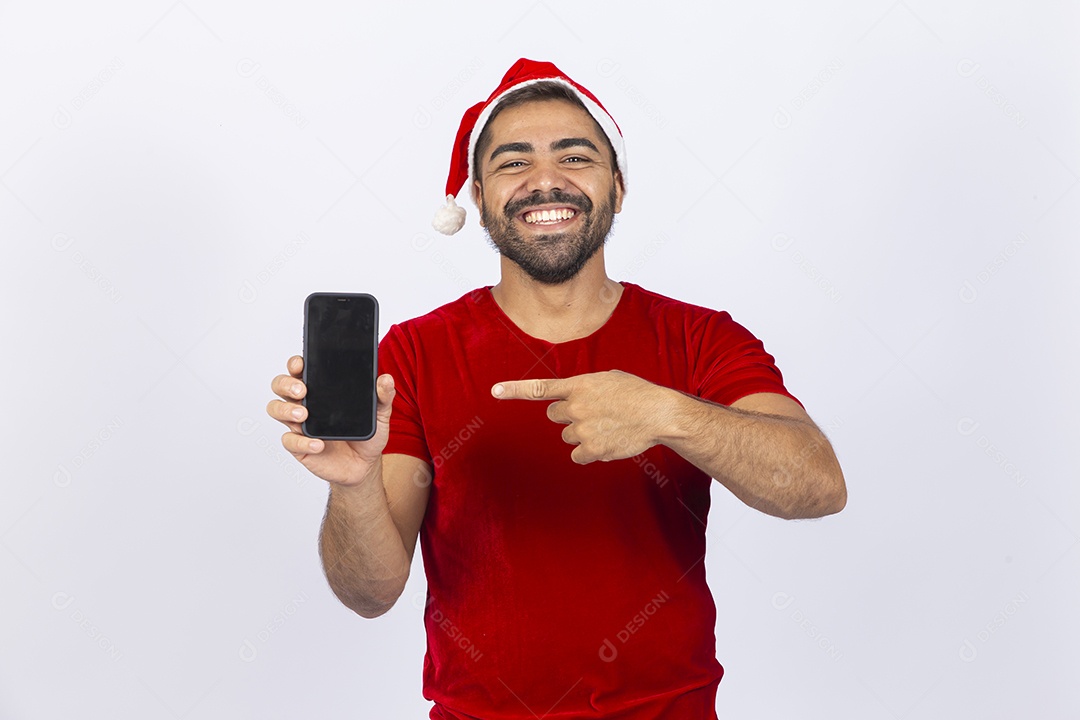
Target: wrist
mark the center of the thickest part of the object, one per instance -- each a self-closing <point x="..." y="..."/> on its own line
<point x="361" y="485"/>
<point x="679" y="415"/>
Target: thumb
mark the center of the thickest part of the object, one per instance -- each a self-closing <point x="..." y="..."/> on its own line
<point x="384" y="388"/>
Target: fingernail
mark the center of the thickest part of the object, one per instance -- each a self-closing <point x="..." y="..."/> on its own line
<point x="297" y="413"/>
<point x="497" y="390"/>
<point x="314" y="446"/>
<point x="296" y="388"/>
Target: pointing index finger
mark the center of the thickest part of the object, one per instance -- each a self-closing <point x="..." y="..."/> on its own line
<point x="548" y="389"/>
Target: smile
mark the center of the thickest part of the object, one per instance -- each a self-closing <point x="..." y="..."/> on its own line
<point x="548" y="217"/>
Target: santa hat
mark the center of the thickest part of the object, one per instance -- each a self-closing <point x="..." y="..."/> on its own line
<point x="451" y="217"/>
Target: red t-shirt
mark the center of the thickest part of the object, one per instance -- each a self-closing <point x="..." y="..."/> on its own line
<point x="560" y="590"/>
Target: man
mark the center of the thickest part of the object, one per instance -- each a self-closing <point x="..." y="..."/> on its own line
<point x="558" y="584"/>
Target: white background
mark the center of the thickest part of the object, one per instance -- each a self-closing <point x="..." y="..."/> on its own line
<point x="882" y="191"/>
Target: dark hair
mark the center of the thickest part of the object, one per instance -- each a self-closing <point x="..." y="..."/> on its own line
<point x="537" y="92"/>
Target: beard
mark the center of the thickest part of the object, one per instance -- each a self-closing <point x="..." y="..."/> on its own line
<point x="553" y="258"/>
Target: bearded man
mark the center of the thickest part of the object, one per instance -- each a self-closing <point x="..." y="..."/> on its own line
<point x="557" y="585"/>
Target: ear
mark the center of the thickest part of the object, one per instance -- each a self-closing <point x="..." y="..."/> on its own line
<point x="478" y="198"/>
<point x="619" y="190"/>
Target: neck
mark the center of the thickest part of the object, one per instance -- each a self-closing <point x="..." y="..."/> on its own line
<point x="558" y="313"/>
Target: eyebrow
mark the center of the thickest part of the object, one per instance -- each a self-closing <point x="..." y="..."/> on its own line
<point x="574" y="142"/>
<point x="524" y="147"/>
<point x="521" y="147"/>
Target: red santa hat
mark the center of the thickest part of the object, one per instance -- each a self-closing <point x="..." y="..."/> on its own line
<point x="451" y="217"/>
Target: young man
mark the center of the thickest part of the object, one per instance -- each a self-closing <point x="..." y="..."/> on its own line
<point x="558" y="584"/>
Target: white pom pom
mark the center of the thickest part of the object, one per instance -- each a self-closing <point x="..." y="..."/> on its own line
<point x="449" y="218"/>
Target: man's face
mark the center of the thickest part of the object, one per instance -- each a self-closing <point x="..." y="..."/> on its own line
<point x="549" y="191"/>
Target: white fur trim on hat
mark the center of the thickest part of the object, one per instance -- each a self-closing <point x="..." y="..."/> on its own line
<point x="449" y="218"/>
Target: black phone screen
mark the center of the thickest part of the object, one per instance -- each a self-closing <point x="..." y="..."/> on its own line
<point x="341" y="339"/>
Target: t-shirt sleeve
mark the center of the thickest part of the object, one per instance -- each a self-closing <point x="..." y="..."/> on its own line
<point x="397" y="356"/>
<point x="732" y="363"/>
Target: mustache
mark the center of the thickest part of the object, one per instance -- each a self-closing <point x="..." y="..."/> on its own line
<point x="579" y="202"/>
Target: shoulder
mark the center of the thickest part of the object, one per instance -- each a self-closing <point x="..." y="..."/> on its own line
<point x="702" y="329"/>
<point x="437" y="333"/>
<point x="662" y="307"/>
<point x="443" y="318"/>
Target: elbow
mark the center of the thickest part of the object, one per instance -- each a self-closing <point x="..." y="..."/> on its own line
<point x="835" y="501"/>
<point x="828" y="491"/>
<point x="811" y="483"/>
<point x="371" y="604"/>
<point x="826" y="496"/>
<point x="370" y="611"/>
<point x="838" y="489"/>
<point x="368" y="607"/>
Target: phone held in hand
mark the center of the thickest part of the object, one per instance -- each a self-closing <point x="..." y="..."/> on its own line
<point x="341" y="341"/>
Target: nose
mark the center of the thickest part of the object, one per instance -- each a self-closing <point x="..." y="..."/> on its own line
<point x="546" y="176"/>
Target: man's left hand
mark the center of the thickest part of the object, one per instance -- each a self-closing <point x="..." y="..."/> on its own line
<point x="608" y="415"/>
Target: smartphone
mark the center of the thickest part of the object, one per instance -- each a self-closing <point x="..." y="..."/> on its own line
<point x="341" y="341"/>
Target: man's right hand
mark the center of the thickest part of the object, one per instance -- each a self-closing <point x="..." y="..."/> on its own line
<point x="337" y="461"/>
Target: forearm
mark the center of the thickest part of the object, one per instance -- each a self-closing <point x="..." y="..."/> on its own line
<point x="362" y="551"/>
<point x="779" y="465"/>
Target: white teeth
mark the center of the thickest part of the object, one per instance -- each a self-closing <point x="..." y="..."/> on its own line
<point x="549" y="216"/>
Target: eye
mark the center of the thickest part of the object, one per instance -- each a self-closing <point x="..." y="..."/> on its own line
<point x="576" y="159"/>
<point x="512" y="164"/>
